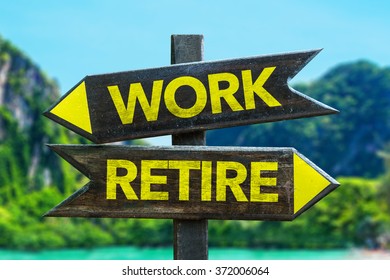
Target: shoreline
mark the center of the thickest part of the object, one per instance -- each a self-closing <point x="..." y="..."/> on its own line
<point x="166" y="253"/>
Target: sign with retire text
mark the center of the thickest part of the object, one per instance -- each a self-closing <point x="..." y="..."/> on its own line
<point x="192" y="182"/>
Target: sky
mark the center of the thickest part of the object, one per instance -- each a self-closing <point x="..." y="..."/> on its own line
<point x="74" y="38"/>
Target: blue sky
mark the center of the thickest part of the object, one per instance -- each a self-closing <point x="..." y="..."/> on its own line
<point x="74" y="38"/>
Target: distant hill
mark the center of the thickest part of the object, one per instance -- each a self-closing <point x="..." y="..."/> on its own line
<point x="26" y="164"/>
<point x="343" y="144"/>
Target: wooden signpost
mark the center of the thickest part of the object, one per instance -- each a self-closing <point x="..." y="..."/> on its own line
<point x="190" y="236"/>
<point x="189" y="182"/>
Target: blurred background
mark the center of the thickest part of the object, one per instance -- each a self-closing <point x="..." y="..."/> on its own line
<point x="47" y="47"/>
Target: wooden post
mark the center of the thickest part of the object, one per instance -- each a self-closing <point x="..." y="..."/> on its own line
<point x="190" y="236"/>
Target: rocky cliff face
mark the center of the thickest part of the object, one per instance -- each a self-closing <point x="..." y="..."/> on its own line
<point x="25" y="92"/>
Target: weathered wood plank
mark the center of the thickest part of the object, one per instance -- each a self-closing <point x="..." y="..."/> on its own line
<point x="192" y="182"/>
<point x="186" y="97"/>
<point x="190" y="236"/>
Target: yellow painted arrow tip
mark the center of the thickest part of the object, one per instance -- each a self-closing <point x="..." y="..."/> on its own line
<point x="74" y="109"/>
<point x="308" y="182"/>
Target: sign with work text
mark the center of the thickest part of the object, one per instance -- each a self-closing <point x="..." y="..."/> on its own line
<point x="192" y="182"/>
<point x="186" y="97"/>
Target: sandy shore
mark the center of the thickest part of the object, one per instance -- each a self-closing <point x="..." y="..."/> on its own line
<point x="360" y="254"/>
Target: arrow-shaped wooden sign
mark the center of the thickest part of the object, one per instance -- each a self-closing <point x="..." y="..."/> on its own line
<point x="192" y="182"/>
<point x="186" y="97"/>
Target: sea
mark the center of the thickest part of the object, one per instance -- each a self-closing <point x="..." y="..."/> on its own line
<point x="166" y="253"/>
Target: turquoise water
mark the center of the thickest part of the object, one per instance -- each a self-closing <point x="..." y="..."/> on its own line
<point x="135" y="253"/>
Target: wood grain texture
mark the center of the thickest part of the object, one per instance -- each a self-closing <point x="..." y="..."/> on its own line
<point x="107" y="126"/>
<point x="91" y="201"/>
<point x="190" y="240"/>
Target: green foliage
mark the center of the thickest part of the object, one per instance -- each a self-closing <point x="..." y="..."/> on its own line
<point x="4" y="57"/>
<point x="12" y="160"/>
<point x="22" y="227"/>
<point x="385" y="179"/>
